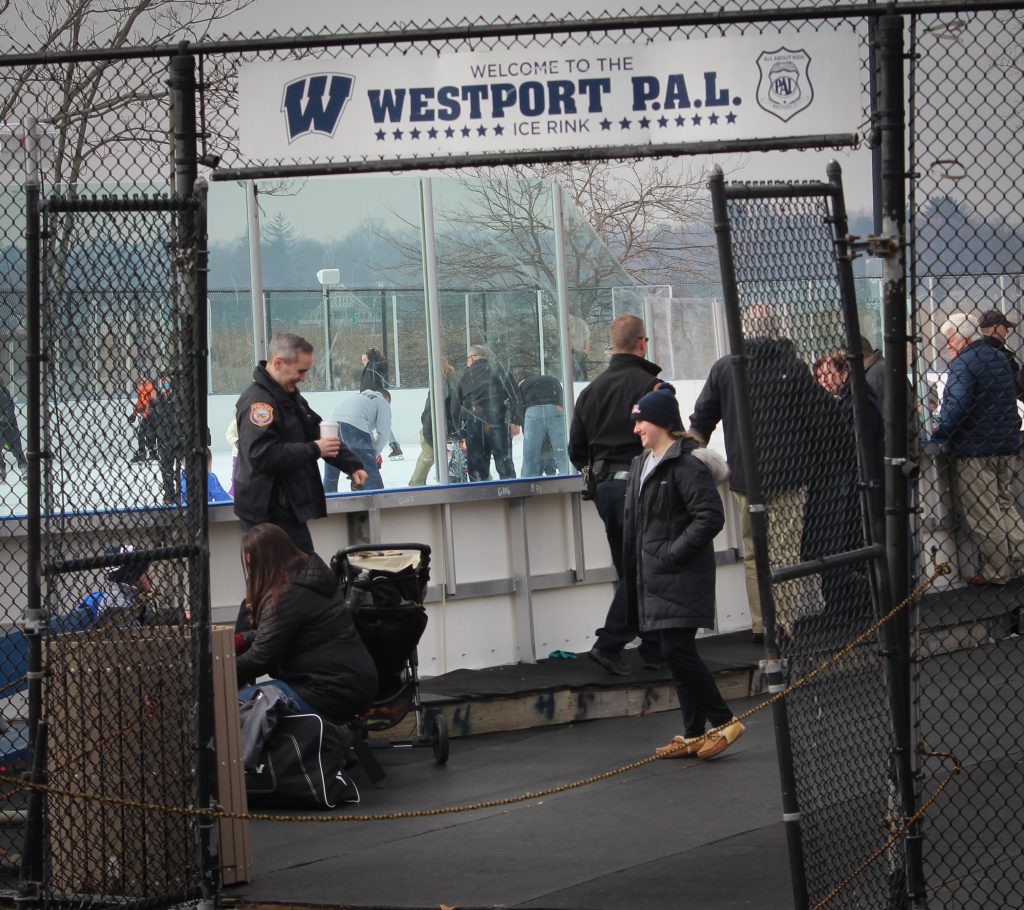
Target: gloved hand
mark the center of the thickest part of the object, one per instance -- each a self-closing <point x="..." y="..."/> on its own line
<point x="243" y="640"/>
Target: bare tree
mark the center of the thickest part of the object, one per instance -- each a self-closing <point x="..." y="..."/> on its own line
<point x="651" y="214"/>
<point x="637" y="221"/>
<point x="108" y="118"/>
<point x="106" y="122"/>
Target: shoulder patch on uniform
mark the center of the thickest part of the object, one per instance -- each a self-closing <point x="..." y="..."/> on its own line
<point x="261" y="414"/>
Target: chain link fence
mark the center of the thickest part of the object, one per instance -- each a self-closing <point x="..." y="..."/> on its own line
<point x="122" y="327"/>
<point x="968" y="255"/>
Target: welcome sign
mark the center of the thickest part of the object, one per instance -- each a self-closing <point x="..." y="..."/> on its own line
<point x="709" y="90"/>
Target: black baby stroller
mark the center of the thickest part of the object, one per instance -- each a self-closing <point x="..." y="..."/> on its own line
<point x="385" y="587"/>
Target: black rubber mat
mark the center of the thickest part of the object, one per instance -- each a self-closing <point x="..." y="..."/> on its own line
<point x="720" y="652"/>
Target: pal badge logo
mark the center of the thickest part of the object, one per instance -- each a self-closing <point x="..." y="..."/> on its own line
<point x="784" y="87"/>
<point x="314" y="104"/>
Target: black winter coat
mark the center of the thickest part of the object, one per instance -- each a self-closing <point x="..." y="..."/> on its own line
<point x="165" y="421"/>
<point x="374" y="376"/>
<point x="426" y="418"/>
<point x="602" y="430"/>
<point x="789" y="412"/>
<point x="668" y="542"/>
<point x="486" y="394"/>
<point x="309" y="640"/>
<point x="277" y="476"/>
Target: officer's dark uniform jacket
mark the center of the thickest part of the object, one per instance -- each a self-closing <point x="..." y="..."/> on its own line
<point x="668" y="542"/>
<point x="601" y="428"/>
<point x="277" y="476"/>
<point x="309" y="640"/>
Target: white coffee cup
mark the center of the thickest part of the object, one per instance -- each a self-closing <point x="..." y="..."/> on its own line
<point x="328" y="430"/>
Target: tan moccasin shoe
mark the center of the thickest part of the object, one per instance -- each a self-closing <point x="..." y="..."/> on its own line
<point x="680" y="747"/>
<point x="720" y="740"/>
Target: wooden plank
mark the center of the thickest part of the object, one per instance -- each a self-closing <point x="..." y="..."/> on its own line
<point x="235" y="844"/>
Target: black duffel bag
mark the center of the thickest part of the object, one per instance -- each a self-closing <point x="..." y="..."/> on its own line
<point x="302" y="766"/>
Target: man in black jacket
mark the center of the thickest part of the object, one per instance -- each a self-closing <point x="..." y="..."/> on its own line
<point x="601" y="438"/>
<point x="277" y="479"/>
<point x="788" y="408"/>
<point x="486" y="404"/>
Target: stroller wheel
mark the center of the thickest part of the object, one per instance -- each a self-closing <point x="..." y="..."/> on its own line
<point x="439" y="739"/>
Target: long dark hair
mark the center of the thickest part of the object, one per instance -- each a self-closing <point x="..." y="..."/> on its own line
<point x="268" y="559"/>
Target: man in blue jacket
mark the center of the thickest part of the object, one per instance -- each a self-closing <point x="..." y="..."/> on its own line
<point x="980" y="423"/>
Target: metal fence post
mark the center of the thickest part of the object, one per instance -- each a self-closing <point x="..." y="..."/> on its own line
<point x="192" y="240"/>
<point x="892" y="125"/>
<point x="29" y="891"/>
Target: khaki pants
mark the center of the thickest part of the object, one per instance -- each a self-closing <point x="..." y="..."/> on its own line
<point x="785" y="525"/>
<point x="985" y="487"/>
<point x="424" y="464"/>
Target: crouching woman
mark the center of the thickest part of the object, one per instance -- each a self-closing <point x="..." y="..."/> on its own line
<point x="673" y="512"/>
<point x="301" y="635"/>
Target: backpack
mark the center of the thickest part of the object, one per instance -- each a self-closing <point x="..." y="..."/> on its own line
<point x="302" y="766"/>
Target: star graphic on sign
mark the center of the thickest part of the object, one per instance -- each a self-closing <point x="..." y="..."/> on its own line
<point x="696" y="119"/>
<point x="606" y="124"/>
<point x="730" y="117"/>
<point x="680" y="120"/>
<point x="624" y="123"/>
<point x="663" y="122"/>
<point x="645" y="124"/>
<point x="448" y="133"/>
<point x="499" y="130"/>
<point x="481" y="130"/>
<point x="415" y="134"/>
<point x="380" y="135"/>
<point x="397" y="134"/>
<point x="465" y="131"/>
<point x="713" y="119"/>
<point x="432" y="133"/>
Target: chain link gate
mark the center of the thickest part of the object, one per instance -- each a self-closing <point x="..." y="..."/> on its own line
<point x="113" y="641"/>
<point x="121" y="692"/>
<point x="810" y="446"/>
<point x="966" y="148"/>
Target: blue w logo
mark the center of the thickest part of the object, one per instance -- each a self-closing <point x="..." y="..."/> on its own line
<point x="314" y="104"/>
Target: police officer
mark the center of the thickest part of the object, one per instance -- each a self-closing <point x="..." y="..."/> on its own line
<point x="601" y="437"/>
<point x="277" y="479"/>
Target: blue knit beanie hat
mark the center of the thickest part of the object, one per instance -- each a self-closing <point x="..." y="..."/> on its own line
<point x="660" y="408"/>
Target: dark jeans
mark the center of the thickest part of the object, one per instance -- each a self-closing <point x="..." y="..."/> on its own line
<point x="483" y="441"/>
<point x="362" y="446"/>
<point x="619" y="629"/>
<point x="166" y="456"/>
<point x="249" y="691"/>
<point x="145" y="432"/>
<point x="699" y="699"/>
<point x="297" y="531"/>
